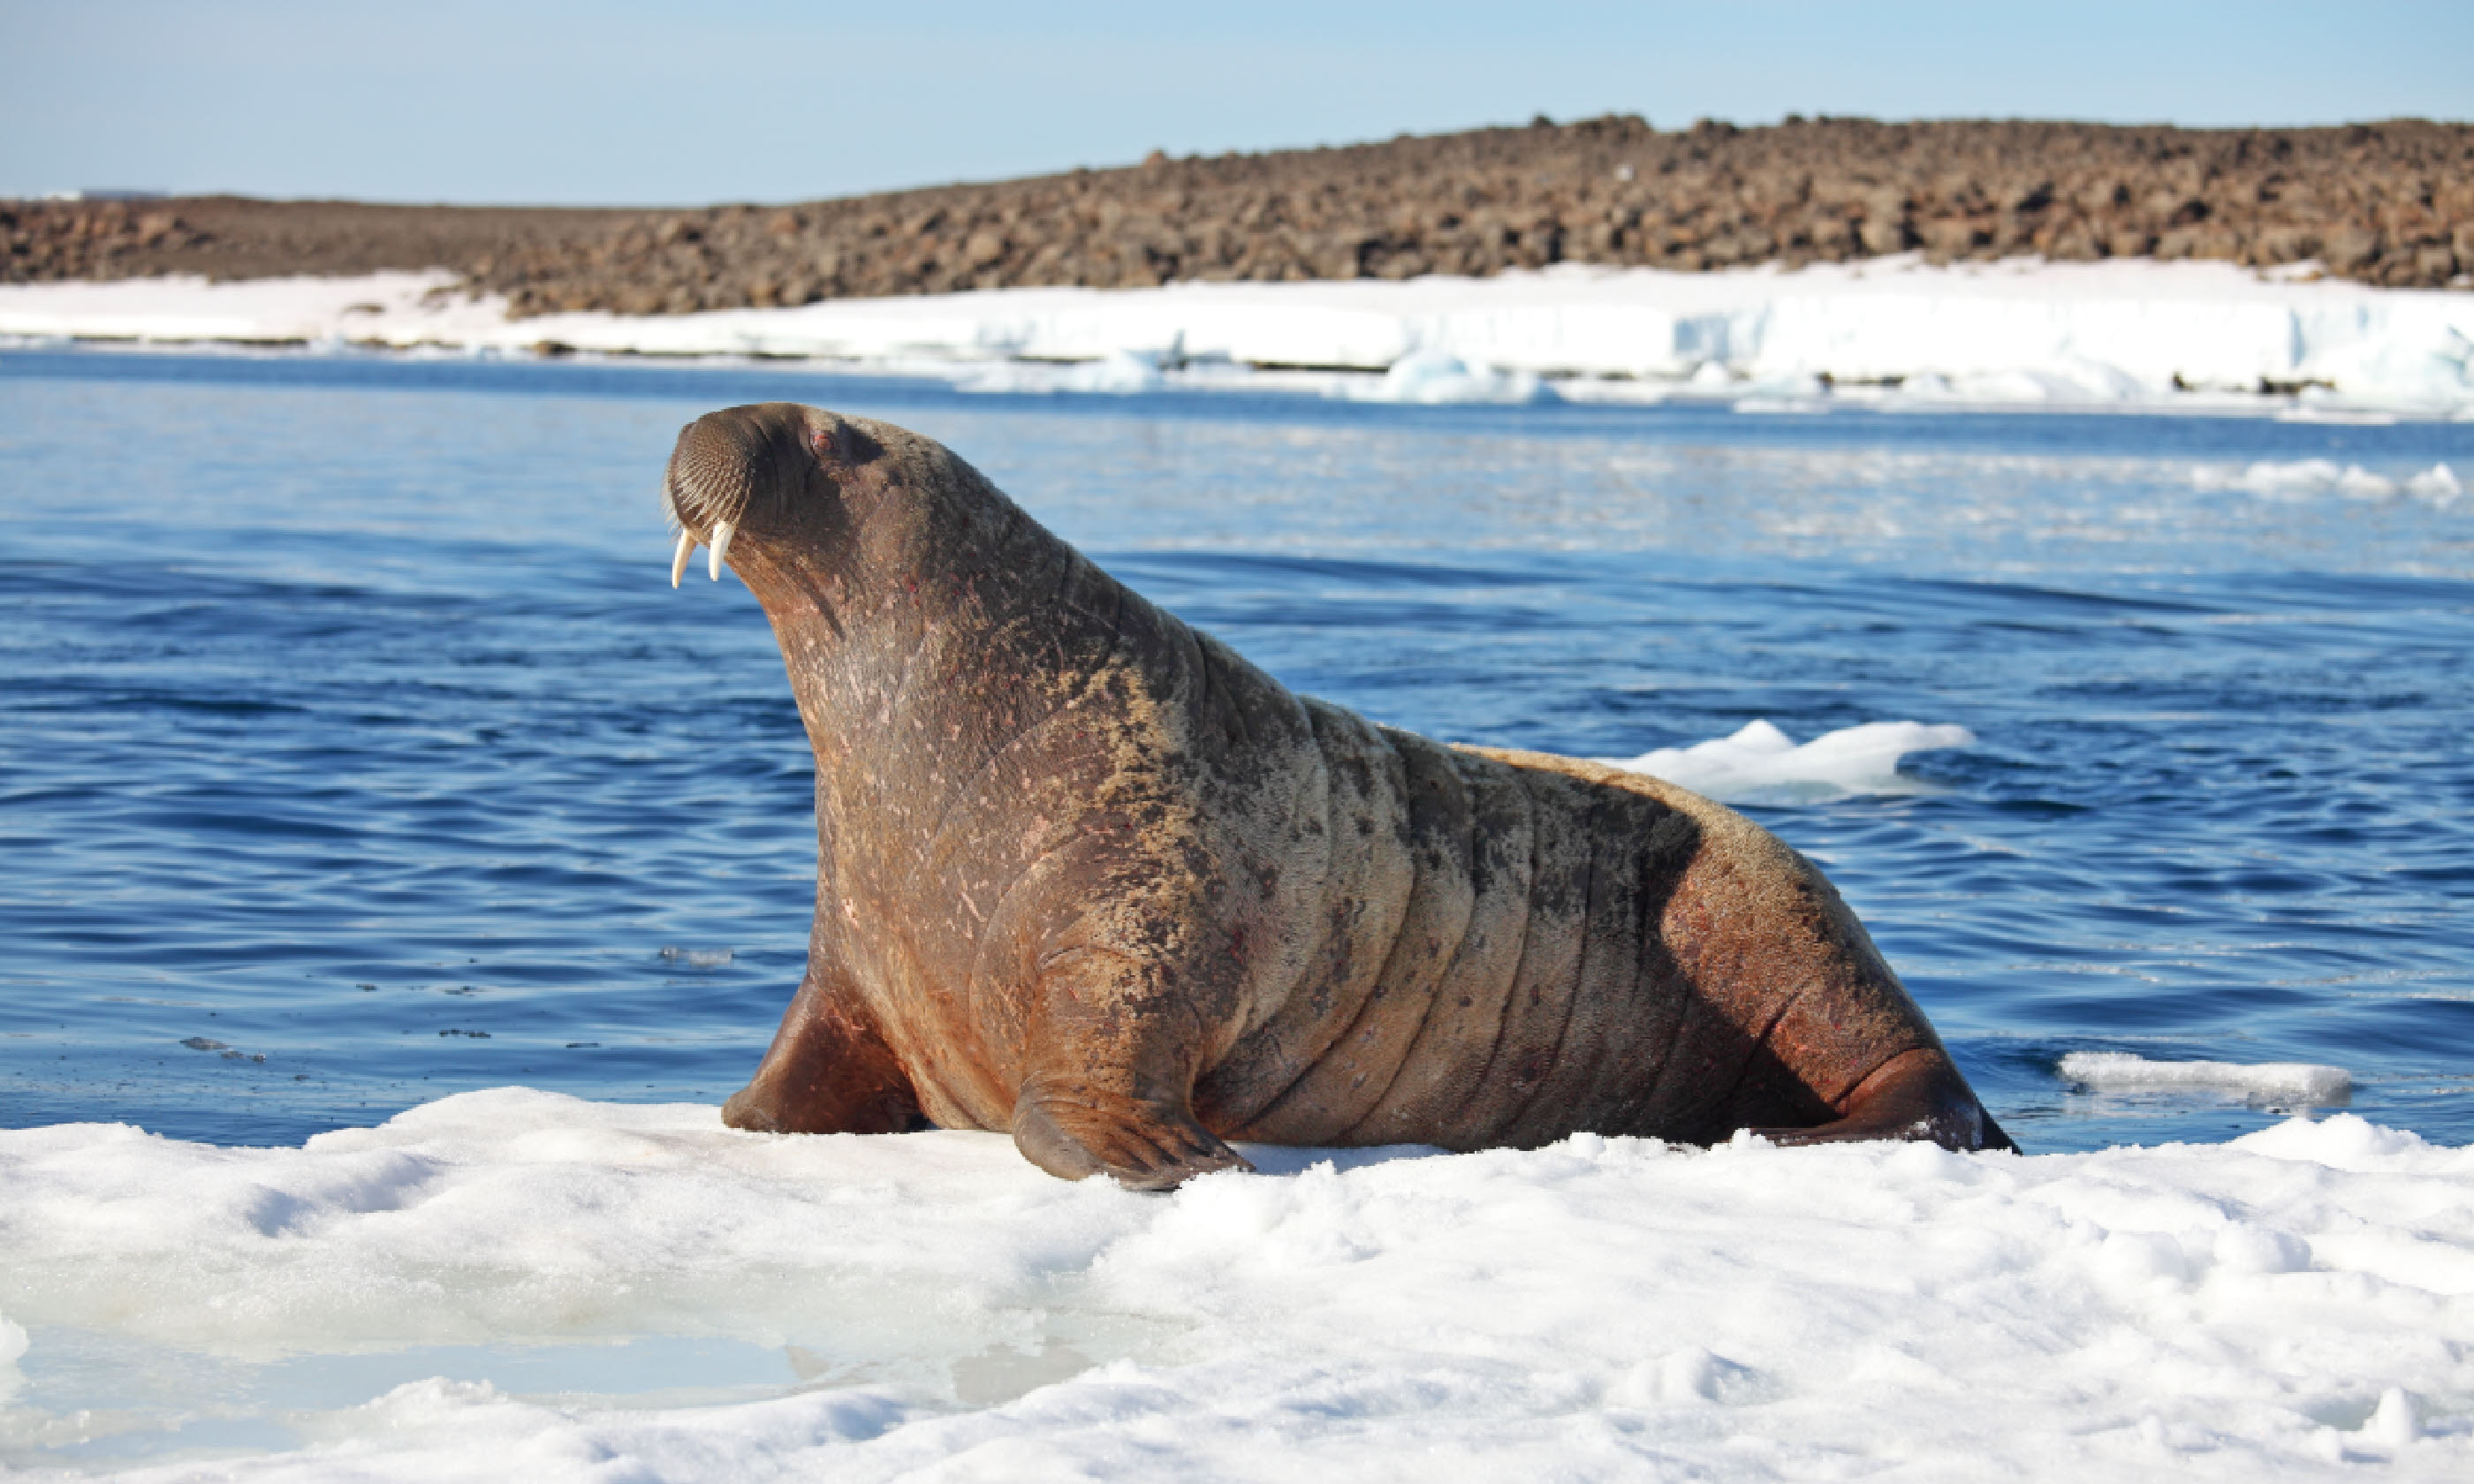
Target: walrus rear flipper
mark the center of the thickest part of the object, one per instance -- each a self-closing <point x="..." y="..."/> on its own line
<point x="1917" y="1094"/>
<point x="1141" y="1148"/>
<point x="1106" y="1089"/>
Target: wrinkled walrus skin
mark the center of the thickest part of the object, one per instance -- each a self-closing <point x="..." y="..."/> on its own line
<point x="1085" y="874"/>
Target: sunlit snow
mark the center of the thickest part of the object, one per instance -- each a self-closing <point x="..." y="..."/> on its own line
<point x="726" y="1305"/>
<point x="1893" y="332"/>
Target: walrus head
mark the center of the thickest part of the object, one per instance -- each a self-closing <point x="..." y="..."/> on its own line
<point x="772" y="468"/>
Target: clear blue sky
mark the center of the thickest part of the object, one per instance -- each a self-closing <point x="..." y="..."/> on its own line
<point x="623" y="101"/>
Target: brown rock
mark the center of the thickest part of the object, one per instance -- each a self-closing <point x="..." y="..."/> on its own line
<point x="2350" y="249"/>
<point x="983" y="248"/>
<point x="1883" y="236"/>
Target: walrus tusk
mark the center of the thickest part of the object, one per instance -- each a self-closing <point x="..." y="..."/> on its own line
<point x="679" y="559"/>
<point x="722" y="531"/>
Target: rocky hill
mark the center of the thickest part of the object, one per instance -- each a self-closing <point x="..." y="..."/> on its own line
<point x="2387" y="204"/>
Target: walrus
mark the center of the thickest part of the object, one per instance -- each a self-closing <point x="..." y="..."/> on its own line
<point x="1086" y="876"/>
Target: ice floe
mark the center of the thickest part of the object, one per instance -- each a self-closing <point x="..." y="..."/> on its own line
<point x="2259" y="1082"/>
<point x="1890" y="331"/>
<point x="1437" y="376"/>
<point x="1761" y="764"/>
<point x="930" y="1306"/>
<point x="2297" y="479"/>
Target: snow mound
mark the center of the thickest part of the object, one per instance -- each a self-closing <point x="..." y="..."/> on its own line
<point x="930" y="1304"/>
<point x="1761" y="764"/>
<point x="2260" y="1082"/>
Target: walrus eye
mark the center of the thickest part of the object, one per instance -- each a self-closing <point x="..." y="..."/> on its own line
<point x="826" y="445"/>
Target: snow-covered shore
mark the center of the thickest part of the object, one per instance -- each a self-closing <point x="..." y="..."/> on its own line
<point x="725" y="1305"/>
<point x="1893" y="331"/>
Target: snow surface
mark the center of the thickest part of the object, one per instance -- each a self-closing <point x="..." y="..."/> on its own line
<point x="932" y="1307"/>
<point x="1761" y="764"/>
<point x="1890" y="331"/>
<point x="2259" y="1082"/>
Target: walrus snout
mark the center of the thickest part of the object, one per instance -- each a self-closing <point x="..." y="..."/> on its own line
<point x="707" y="487"/>
<point x="727" y="464"/>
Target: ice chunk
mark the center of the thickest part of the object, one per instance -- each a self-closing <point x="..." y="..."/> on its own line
<point x="1122" y="372"/>
<point x="2264" y="1082"/>
<point x="2303" y="479"/>
<point x="2245" y="1247"/>
<point x="2437" y="484"/>
<point x="1119" y="373"/>
<point x="2341" y="1142"/>
<point x="1761" y="764"/>
<point x="2394" y="1423"/>
<point x="1436" y="378"/>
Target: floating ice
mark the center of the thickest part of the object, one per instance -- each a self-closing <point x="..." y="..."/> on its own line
<point x="1889" y="332"/>
<point x="2437" y="484"/>
<point x="1119" y="373"/>
<point x="1761" y="764"/>
<point x="2260" y="1082"/>
<point x="516" y="1284"/>
<point x="2310" y="479"/>
<point x="2295" y="479"/>
<point x="1435" y="376"/>
<point x="699" y="958"/>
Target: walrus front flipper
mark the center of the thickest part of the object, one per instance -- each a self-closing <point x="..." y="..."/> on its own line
<point x="827" y="1072"/>
<point x="1917" y="1094"/>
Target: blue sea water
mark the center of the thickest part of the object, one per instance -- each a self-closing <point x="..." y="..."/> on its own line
<point x="356" y="751"/>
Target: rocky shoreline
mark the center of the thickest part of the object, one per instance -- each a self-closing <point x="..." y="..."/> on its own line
<point x="2390" y="204"/>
